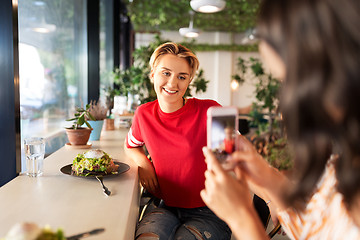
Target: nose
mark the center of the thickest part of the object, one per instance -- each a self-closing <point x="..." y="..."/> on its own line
<point x="173" y="81"/>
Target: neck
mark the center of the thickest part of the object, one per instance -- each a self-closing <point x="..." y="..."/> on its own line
<point x="171" y="107"/>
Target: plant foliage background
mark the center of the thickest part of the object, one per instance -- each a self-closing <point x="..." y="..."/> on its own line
<point x="269" y="137"/>
<point x="156" y="15"/>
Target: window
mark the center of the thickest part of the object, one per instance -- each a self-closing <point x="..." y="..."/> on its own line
<point x="106" y="47"/>
<point x="52" y="66"/>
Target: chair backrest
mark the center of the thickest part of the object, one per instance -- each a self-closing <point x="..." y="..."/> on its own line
<point x="264" y="213"/>
<point x="262" y="209"/>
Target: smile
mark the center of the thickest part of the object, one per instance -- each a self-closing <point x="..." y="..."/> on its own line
<point x="170" y="91"/>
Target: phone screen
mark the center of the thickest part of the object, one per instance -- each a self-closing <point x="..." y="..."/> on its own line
<point x="223" y="136"/>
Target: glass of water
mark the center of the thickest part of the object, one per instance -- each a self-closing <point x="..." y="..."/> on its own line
<point x="34" y="152"/>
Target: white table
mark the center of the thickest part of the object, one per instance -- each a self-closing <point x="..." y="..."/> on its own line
<point x="75" y="204"/>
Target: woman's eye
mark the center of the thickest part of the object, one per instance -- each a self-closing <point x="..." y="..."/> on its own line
<point x="182" y="77"/>
<point x="166" y="73"/>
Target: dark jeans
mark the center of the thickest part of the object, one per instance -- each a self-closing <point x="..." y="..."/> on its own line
<point x="167" y="223"/>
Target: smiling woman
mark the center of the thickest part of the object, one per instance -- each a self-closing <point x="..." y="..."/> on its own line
<point x="171" y="78"/>
<point x="173" y="129"/>
<point x="172" y="69"/>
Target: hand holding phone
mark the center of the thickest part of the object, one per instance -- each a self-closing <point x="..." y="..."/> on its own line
<point x="222" y="128"/>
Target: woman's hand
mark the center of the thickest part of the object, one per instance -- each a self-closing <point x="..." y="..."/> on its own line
<point x="264" y="180"/>
<point x="257" y="170"/>
<point x="230" y="199"/>
<point x="224" y="194"/>
<point x="148" y="179"/>
<point x="147" y="175"/>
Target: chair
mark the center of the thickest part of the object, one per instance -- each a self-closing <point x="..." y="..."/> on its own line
<point x="147" y="202"/>
<point x="264" y="214"/>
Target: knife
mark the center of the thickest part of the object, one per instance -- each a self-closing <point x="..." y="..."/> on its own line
<point x="85" y="234"/>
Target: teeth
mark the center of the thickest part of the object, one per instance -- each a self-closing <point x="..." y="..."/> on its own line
<point x="169" y="91"/>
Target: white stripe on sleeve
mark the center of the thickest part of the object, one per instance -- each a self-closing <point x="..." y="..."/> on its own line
<point x="132" y="141"/>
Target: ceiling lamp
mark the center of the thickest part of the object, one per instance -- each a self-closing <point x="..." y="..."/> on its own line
<point x="44" y="27"/>
<point x="190" y="31"/>
<point x="250" y="36"/>
<point x="207" y="6"/>
<point x="234" y="85"/>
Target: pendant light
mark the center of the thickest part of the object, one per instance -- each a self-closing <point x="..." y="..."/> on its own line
<point x="190" y="31"/>
<point x="207" y="6"/>
<point x="43" y="26"/>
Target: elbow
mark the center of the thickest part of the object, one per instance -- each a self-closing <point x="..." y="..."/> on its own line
<point x="125" y="146"/>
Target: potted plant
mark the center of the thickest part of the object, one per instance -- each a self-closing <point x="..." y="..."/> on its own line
<point x="269" y="138"/>
<point x="99" y="112"/>
<point x="77" y="134"/>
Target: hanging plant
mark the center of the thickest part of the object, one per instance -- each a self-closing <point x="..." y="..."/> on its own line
<point x="156" y="15"/>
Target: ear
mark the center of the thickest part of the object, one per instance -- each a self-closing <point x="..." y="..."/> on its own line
<point x="151" y="75"/>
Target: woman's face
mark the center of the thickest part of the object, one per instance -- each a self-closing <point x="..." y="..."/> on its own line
<point x="171" y="78"/>
<point x="272" y="60"/>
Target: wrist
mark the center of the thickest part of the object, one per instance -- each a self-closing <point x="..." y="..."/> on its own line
<point x="274" y="188"/>
<point x="247" y="225"/>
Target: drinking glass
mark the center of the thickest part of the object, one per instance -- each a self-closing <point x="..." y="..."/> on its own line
<point x="34" y="152"/>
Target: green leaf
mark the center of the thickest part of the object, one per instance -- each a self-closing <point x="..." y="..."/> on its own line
<point x="81" y="120"/>
<point x="91" y="116"/>
<point x="88" y="124"/>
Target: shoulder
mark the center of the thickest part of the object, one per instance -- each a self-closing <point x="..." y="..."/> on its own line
<point x="204" y="103"/>
<point x="146" y="107"/>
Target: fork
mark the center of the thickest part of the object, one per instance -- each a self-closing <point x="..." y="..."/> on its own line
<point x="107" y="192"/>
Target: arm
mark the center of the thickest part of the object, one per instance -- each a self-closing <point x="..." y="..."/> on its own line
<point x="230" y="199"/>
<point x="264" y="180"/>
<point x="147" y="175"/>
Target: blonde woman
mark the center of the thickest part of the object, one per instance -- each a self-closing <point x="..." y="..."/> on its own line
<point x="173" y="129"/>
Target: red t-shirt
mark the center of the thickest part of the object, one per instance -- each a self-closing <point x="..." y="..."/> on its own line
<point x="174" y="142"/>
<point x="229" y="145"/>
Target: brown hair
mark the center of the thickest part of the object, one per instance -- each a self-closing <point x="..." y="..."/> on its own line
<point x="177" y="50"/>
<point x="319" y="42"/>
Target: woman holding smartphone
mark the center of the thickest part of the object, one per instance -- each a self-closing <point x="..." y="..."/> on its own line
<point x="173" y="129"/>
<point x="314" y="46"/>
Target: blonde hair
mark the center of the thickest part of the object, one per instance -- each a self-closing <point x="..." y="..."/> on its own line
<point x="177" y="50"/>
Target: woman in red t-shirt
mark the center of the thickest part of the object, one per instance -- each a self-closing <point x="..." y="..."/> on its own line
<point x="173" y="129"/>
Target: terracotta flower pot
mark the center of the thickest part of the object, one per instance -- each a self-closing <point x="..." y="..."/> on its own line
<point x="108" y="124"/>
<point x="78" y="136"/>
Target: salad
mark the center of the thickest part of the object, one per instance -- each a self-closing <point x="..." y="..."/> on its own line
<point x="93" y="162"/>
<point x="31" y="231"/>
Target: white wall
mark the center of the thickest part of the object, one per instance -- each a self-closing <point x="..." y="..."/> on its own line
<point x="218" y="66"/>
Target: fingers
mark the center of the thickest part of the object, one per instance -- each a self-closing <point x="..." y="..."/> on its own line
<point x="150" y="184"/>
<point x="210" y="187"/>
<point x="209" y="179"/>
<point x="238" y="173"/>
<point x="154" y="185"/>
<point x="212" y="163"/>
<point x="204" y="196"/>
<point x="243" y="143"/>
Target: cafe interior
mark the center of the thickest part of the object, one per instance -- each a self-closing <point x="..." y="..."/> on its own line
<point x="61" y="55"/>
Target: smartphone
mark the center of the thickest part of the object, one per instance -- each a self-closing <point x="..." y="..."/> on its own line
<point x="222" y="128"/>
